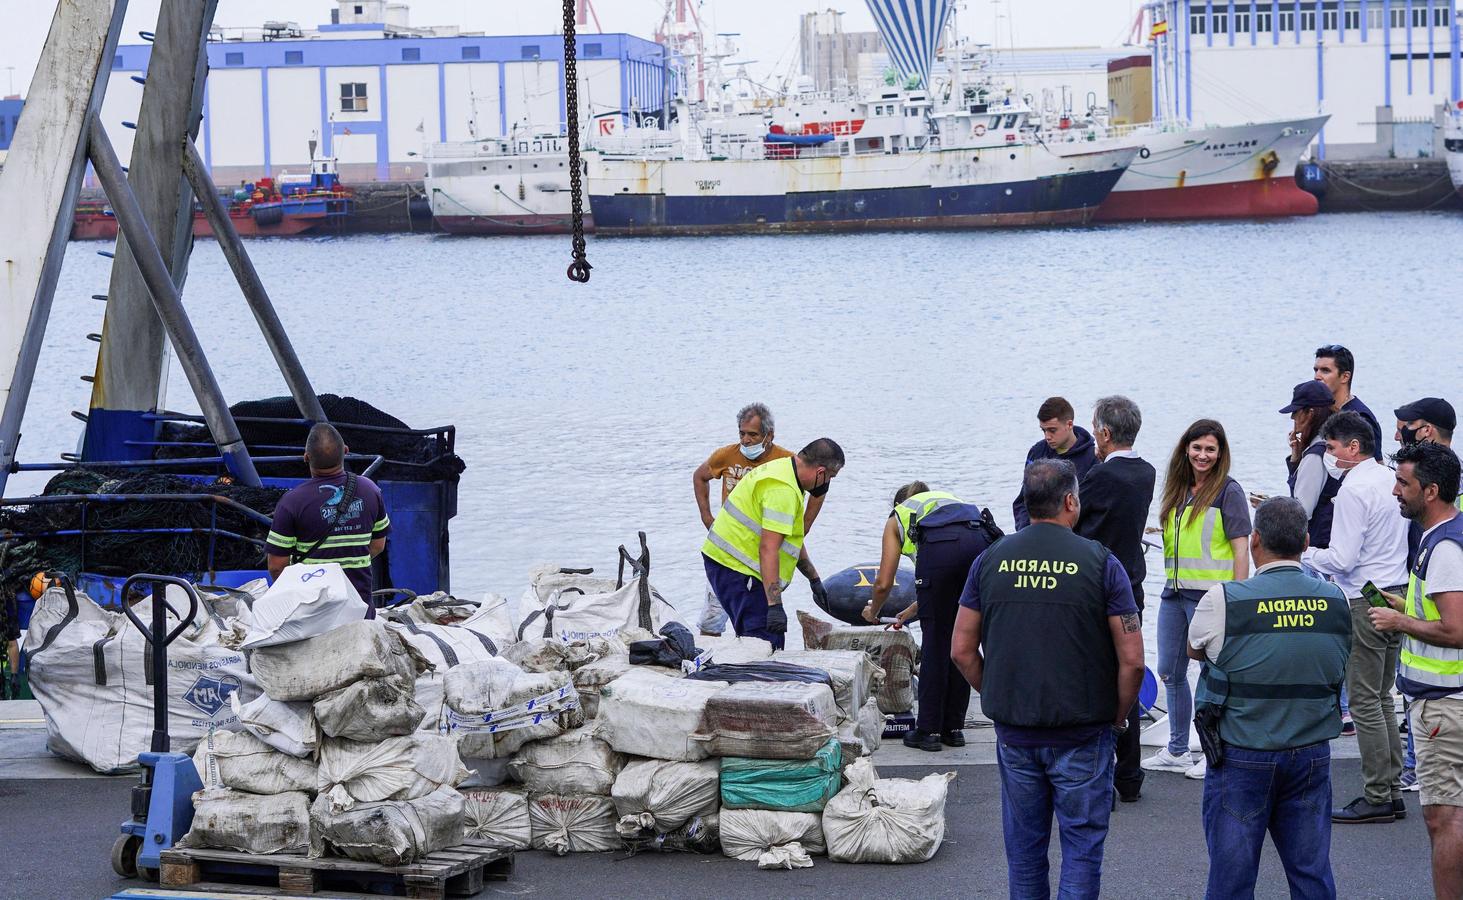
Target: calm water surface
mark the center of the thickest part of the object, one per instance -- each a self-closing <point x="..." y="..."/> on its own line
<point x="582" y="410"/>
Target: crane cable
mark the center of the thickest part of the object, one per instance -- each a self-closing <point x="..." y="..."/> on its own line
<point x="579" y="268"/>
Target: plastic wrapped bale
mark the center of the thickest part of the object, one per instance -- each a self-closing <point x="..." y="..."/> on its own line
<point x="749" y="833"/>
<point x="498" y="816"/>
<point x="306" y="669"/>
<point x="88" y="670"/>
<point x="656" y="797"/>
<point x="573" y="823"/>
<point x="644" y="714"/>
<point x="575" y="762"/>
<point x="590" y="678"/>
<point x="700" y="834"/>
<point x="250" y="823"/>
<point x="862" y="735"/>
<point x="240" y="761"/>
<point x="390" y="832"/>
<point x="886" y="820"/>
<point x="304" y="601"/>
<point x="494" y="708"/>
<point x="731" y="649"/>
<point x="369" y="710"/>
<point x="770" y="720"/>
<point x="399" y="768"/>
<point x="856" y="676"/>
<point x="289" y="728"/>
<point x="895" y="651"/>
<point x="782" y="784"/>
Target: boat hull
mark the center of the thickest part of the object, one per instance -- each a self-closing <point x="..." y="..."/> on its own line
<point x="104" y="228"/>
<point x="936" y="190"/>
<point x="1240" y="171"/>
<point x="547" y="223"/>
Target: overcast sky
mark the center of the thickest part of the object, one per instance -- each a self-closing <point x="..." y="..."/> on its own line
<point x="766" y="29"/>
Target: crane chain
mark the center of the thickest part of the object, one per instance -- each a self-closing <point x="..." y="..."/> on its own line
<point x="579" y="268"/>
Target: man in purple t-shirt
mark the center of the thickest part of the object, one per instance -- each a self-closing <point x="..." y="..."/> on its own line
<point x="335" y="516"/>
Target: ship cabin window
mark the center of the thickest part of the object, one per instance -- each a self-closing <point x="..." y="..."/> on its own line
<point x="233" y="59"/>
<point x="1264" y="19"/>
<point x="995" y="123"/>
<point x="411" y="54"/>
<point x="353" y="96"/>
<point x="294" y="57"/>
<point x="1197" y="24"/>
<point x="472" y="53"/>
<point x="1010" y="121"/>
<point x="528" y="51"/>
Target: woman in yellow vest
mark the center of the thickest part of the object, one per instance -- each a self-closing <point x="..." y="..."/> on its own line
<point x="943" y="535"/>
<point x="1206" y="528"/>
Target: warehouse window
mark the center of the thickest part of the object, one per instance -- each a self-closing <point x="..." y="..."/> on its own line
<point x="529" y="51"/>
<point x="1440" y="15"/>
<point x="1287" y="20"/>
<point x="1241" y="21"/>
<point x="472" y="53"/>
<point x="1263" y="19"/>
<point x="411" y="54"/>
<point x="1352" y="20"/>
<point x="594" y="50"/>
<point x="1328" y="19"/>
<point x="294" y="57"/>
<point x="353" y="96"/>
<point x="1221" y="23"/>
<point x="1419" y="17"/>
<point x="1308" y="20"/>
<point x="233" y="59"/>
<point x="1197" y="25"/>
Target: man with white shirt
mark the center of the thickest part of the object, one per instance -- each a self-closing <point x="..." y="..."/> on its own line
<point x="1368" y="543"/>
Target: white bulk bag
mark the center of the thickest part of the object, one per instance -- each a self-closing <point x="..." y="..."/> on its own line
<point x="250" y="823"/>
<point x="90" y="671"/>
<point x="398" y="768"/>
<point x="570" y="823"/>
<point x="304" y="601"/>
<point x="644" y="714"/>
<point x="493" y="708"/>
<point x="861" y="735"/>
<point x="239" y="761"/>
<point x="287" y="727"/>
<point x="575" y="762"/>
<point x="748" y="833"/>
<point x="886" y="820"/>
<point x="589" y="679"/>
<point x="369" y="710"/>
<point x="498" y="816"/>
<point x="304" y="670"/>
<point x="391" y="832"/>
<point x="657" y="796"/>
<point x="574" y="605"/>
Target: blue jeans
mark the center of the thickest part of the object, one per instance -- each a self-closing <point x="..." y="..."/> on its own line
<point x="1174" y="615"/>
<point x="743" y="599"/>
<point x="1076" y="783"/>
<point x="1285" y="792"/>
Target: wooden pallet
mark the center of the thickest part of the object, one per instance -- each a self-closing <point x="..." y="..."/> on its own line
<point x="456" y="872"/>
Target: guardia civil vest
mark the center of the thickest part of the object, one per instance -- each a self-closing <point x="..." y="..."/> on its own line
<point x="1287" y="636"/>
<point x="1426" y="671"/>
<point x="1196" y="554"/>
<point x="930" y="508"/>
<point x="1049" y="656"/>
<point x="736" y="533"/>
<point x="1319" y="528"/>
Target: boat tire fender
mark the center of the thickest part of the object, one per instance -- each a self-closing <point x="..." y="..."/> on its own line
<point x="1143" y="153"/>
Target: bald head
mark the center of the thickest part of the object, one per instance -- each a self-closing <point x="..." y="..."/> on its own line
<point x="324" y="449"/>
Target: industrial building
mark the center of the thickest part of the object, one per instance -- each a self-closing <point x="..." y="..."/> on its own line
<point x="9" y="117"/>
<point x="1382" y="69"/>
<point x="372" y="90"/>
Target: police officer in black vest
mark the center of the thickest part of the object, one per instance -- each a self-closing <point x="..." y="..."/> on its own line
<point x="1048" y="632"/>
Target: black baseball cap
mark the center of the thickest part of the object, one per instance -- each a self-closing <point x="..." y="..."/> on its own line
<point x="1309" y="395"/>
<point x="1433" y="410"/>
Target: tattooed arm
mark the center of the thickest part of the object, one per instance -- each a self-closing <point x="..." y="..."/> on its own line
<point x="1127" y="638"/>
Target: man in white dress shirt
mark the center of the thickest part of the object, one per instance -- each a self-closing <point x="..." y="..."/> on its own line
<point x="1368" y="543"/>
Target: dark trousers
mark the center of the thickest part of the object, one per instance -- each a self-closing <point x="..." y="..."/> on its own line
<point x="1128" y="774"/>
<point x="744" y="600"/>
<point x="945" y="556"/>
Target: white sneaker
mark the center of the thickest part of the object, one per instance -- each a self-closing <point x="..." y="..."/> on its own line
<point x="1198" y="770"/>
<point x="1163" y="761"/>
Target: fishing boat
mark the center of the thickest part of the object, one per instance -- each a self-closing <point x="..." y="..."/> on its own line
<point x="1453" y="144"/>
<point x="292" y="204"/>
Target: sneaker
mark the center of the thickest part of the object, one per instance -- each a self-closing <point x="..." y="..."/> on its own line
<point x="1348" y="727"/>
<point x="921" y="741"/>
<point x="1409" y="780"/>
<point x="953" y="738"/>
<point x="1358" y="811"/>
<point x="1163" y="761"/>
<point x="1399" y="808"/>
<point x="1198" y="770"/>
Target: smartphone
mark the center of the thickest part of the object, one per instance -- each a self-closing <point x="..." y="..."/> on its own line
<point x="1256" y="495"/>
<point x="1374" y="596"/>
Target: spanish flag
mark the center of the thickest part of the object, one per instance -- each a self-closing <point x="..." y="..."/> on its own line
<point x="1158" y="28"/>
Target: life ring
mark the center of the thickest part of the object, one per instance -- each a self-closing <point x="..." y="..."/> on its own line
<point x="1143" y="153"/>
<point x="979" y="129"/>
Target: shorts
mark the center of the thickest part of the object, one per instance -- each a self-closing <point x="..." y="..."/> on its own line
<point x="1437" y="729"/>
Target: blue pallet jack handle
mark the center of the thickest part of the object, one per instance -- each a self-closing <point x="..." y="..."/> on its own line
<point x="162" y="804"/>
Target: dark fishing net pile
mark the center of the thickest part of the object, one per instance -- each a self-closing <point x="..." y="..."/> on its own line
<point x="408" y="457"/>
<point x="28" y="545"/>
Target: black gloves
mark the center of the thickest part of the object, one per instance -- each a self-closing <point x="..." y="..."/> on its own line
<point x="820" y="593"/>
<point x="777" y="619"/>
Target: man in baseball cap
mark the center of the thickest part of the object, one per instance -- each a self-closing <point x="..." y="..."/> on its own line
<point x="1428" y="419"/>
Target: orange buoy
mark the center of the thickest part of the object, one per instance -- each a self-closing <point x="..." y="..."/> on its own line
<point x="38" y="584"/>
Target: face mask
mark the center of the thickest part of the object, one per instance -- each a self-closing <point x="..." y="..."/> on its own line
<point x="1333" y="466"/>
<point x="1409" y="435"/>
<point x="818" y="490"/>
<point x="753" y="452"/>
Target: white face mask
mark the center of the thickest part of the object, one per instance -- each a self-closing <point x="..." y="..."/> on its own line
<point x="1333" y="466"/>
<point x="753" y="452"/>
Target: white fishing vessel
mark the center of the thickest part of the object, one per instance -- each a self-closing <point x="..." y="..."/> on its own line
<point x="1453" y="144"/>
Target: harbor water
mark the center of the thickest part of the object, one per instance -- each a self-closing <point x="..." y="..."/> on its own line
<point x="582" y="410"/>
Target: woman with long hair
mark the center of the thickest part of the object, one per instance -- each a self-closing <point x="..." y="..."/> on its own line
<point x="1206" y="529"/>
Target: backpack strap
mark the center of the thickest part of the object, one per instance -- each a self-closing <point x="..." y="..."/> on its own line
<point x="296" y="556"/>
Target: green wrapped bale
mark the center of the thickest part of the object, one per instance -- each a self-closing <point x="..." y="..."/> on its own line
<point x="785" y="785"/>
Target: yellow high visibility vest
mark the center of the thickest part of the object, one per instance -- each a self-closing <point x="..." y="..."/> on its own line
<point x="1196" y="553"/>
<point x="908" y="514"/>
<point x="768" y="495"/>
<point x="1420" y="661"/>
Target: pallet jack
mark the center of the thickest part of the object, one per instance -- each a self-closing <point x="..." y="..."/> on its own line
<point x="162" y="804"/>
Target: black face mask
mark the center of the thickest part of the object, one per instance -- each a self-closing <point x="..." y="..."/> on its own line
<point x="818" y="490"/>
<point x="1409" y="435"/>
